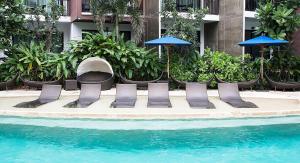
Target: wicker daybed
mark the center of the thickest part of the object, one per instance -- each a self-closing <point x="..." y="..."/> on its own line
<point x="183" y="83"/>
<point x="242" y="85"/>
<point x="39" y="84"/>
<point x="281" y="85"/>
<point x="140" y="84"/>
<point x="8" y="84"/>
<point x="95" y="70"/>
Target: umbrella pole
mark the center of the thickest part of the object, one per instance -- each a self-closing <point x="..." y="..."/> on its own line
<point x="168" y="64"/>
<point x="262" y="62"/>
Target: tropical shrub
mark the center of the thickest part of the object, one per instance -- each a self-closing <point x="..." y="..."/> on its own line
<point x="125" y="57"/>
<point x="284" y="67"/>
<point x="230" y="68"/>
<point x="225" y="66"/>
<point x="204" y="72"/>
<point x="8" y="70"/>
<point x="34" y="63"/>
<point x="62" y="65"/>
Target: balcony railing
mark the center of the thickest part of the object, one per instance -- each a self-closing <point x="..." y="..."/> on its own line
<point x="212" y="5"/>
<point x="184" y="5"/>
<point x="45" y="5"/>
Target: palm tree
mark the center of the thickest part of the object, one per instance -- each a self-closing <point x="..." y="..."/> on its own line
<point x="117" y="9"/>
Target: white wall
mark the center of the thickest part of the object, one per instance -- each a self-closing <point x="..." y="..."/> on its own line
<point x="65" y="28"/>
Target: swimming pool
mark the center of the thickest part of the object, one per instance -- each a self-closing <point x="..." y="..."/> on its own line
<point x="227" y="140"/>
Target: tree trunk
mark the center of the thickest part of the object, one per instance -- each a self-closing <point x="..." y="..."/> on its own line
<point x="117" y="26"/>
<point x="49" y="40"/>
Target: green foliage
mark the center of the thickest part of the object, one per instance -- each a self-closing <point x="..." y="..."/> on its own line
<point x="190" y="68"/>
<point x="11" y="22"/>
<point x="8" y="69"/>
<point x="44" y="31"/>
<point x="118" y="9"/>
<point x="184" y="27"/>
<point x="224" y="66"/>
<point x="125" y="57"/>
<point x="284" y="67"/>
<point x="32" y="62"/>
<point x="230" y="68"/>
<point x="278" y="20"/>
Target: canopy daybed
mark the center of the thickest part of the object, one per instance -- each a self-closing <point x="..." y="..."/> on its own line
<point x="95" y="70"/>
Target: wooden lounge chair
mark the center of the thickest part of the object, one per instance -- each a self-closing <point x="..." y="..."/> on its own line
<point x="196" y="96"/>
<point x="126" y="95"/>
<point x="89" y="94"/>
<point x="229" y="93"/>
<point x="158" y="95"/>
<point x="49" y="94"/>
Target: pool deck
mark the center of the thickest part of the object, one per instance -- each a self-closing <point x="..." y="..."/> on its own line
<point x="270" y="104"/>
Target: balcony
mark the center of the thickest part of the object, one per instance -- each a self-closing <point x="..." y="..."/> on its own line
<point x="184" y="5"/>
<point x="45" y="5"/>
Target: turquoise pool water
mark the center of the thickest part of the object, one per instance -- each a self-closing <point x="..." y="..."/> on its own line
<point x="40" y="142"/>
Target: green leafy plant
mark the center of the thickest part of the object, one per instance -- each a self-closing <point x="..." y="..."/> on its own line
<point x="284" y="67"/>
<point x="184" y="27"/>
<point x="34" y="63"/>
<point x="11" y="22"/>
<point x="225" y="66"/>
<point x="8" y="69"/>
<point x="125" y="57"/>
<point x="45" y="31"/>
<point x="118" y="9"/>
<point x="278" y="20"/>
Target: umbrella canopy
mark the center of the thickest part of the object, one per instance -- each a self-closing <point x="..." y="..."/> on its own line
<point x="263" y="40"/>
<point x="168" y="40"/>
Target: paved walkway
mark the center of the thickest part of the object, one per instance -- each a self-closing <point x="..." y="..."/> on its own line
<point x="270" y="103"/>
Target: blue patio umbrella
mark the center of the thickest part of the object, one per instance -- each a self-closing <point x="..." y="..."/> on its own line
<point x="262" y="42"/>
<point x="168" y="41"/>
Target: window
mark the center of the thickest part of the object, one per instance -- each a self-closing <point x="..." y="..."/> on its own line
<point x="85" y="7"/>
<point x="35" y="3"/>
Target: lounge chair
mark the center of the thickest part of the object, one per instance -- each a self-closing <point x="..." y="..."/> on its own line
<point x="196" y="96"/>
<point x="158" y="95"/>
<point x="126" y="95"/>
<point x="89" y="94"/>
<point x="49" y="94"/>
<point x="229" y="93"/>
